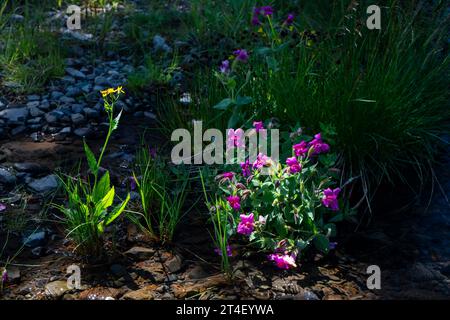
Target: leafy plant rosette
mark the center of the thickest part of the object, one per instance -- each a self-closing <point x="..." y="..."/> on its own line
<point x="285" y="208"/>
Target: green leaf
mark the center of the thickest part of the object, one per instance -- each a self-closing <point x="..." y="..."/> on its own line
<point x="101" y="188"/>
<point x="108" y="199"/>
<point x="115" y="122"/>
<point x="92" y="162"/>
<point x="224" y="104"/>
<point x="242" y="101"/>
<point x="118" y="210"/>
<point x="322" y="243"/>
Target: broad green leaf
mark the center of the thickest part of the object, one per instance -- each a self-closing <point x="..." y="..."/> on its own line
<point x="116" y="120"/>
<point x="224" y="104"/>
<point x="102" y="188"/>
<point x="242" y="101"/>
<point x="92" y="162"/>
<point x="118" y="210"/>
<point x="108" y="199"/>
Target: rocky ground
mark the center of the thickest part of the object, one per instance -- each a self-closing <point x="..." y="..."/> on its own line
<point x="42" y="132"/>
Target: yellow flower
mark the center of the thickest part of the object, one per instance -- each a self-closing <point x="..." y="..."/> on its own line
<point x="110" y="91"/>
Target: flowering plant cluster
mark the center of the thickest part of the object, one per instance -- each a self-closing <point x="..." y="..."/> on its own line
<point x="288" y="209"/>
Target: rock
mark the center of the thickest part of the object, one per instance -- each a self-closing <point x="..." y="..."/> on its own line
<point x="45" y="105"/>
<point x="196" y="273"/>
<point x="73" y="91"/>
<point x="15" y="115"/>
<point x="146" y="293"/>
<point x="7" y="177"/>
<point x="184" y="290"/>
<point x="56" y="289"/>
<point x="159" y="44"/>
<point x="99" y="293"/>
<point x="150" y="115"/>
<point x="36" y="239"/>
<point x="102" y="81"/>
<point x="13" y="274"/>
<point x="91" y="113"/>
<point x="35" y="111"/>
<point x="44" y="185"/>
<point x="174" y="264"/>
<point x="83" y="132"/>
<point x="29" y="167"/>
<point x="55" y="95"/>
<point x="140" y="253"/>
<point x="37" y="137"/>
<point x="77" y="119"/>
<point x="75" y="73"/>
<point x="33" y="104"/>
<point x="66" y="100"/>
<point x="33" y="97"/>
<point x="118" y="270"/>
<point x="54" y="117"/>
<point x="446" y="271"/>
<point x="18" y="130"/>
<point x="423" y="273"/>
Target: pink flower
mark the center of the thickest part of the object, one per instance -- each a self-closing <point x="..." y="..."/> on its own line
<point x="293" y="164"/>
<point x="2" y="207"/>
<point x="235" y="138"/>
<point x="290" y="19"/>
<point x="261" y="161"/>
<point x="318" y="145"/>
<point x="258" y="125"/>
<point x="225" y="67"/>
<point x="246" y="225"/>
<point x="301" y="149"/>
<point x="235" y="202"/>
<point x="283" y="261"/>
<point x="228" y="175"/>
<point x="245" y="166"/>
<point x="330" y="198"/>
<point x="262" y="220"/>
<point x="4" y="276"/>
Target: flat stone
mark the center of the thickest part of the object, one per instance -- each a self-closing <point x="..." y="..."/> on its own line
<point x="54" y="117"/>
<point x="7" y="177"/>
<point x="83" y="132"/>
<point x="91" y="113"/>
<point x="44" y="185"/>
<point x="33" y="104"/>
<point x="15" y="115"/>
<point x="174" y="264"/>
<point x="36" y="239"/>
<point x="140" y="253"/>
<point x="77" y="119"/>
<point x="146" y="293"/>
<point x="29" y="167"/>
<point x="18" y="130"/>
<point x="35" y="111"/>
<point x="56" y="289"/>
<point x="33" y="97"/>
<point x="75" y="73"/>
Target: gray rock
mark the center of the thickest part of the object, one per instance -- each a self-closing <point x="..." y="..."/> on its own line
<point x="7" y="177"/>
<point x="150" y="115"/>
<point x="102" y="81"/>
<point x="13" y="274"/>
<point x="77" y="108"/>
<point x="54" y="117"/>
<point x="68" y="79"/>
<point x="36" y="120"/>
<point x="174" y="264"/>
<point x="36" y="239"/>
<point x="91" y="113"/>
<point x="33" y="104"/>
<point x="44" y="185"/>
<point x="66" y="100"/>
<point x="33" y="97"/>
<point x="45" y="105"/>
<point x="18" y="130"/>
<point x="29" y="167"/>
<point x="159" y="44"/>
<point x="86" y="88"/>
<point x="55" y="95"/>
<point x="37" y="137"/>
<point x="73" y="91"/>
<point x="83" y="132"/>
<point x="56" y="289"/>
<point x="140" y="253"/>
<point x="78" y="119"/>
<point x="15" y="115"/>
<point x="35" y="111"/>
<point x="75" y="73"/>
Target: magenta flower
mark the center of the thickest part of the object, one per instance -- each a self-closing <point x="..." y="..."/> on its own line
<point x="301" y="149"/>
<point x="258" y="125"/>
<point x="228" y="175"/>
<point x="2" y="207"/>
<point x="293" y="164"/>
<point x="290" y="19"/>
<point x="330" y="198"/>
<point x="266" y="11"/>
<point x="235" y="202"/>
<point x="235" y="138"/>
<point x="5" y="276"/>
<point x="133" y="184"/>
<point x="261" y="161"/>
<point x="255" y="20"/>
<point x="247" y="224"/>
<point x="225" y="67"/>
<point x="245" y="166"/>
<point x="241" y="55"/>
<point x="318" y="145"/>
<point x="229" y="251"/>
<point x="283" y="261"/>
